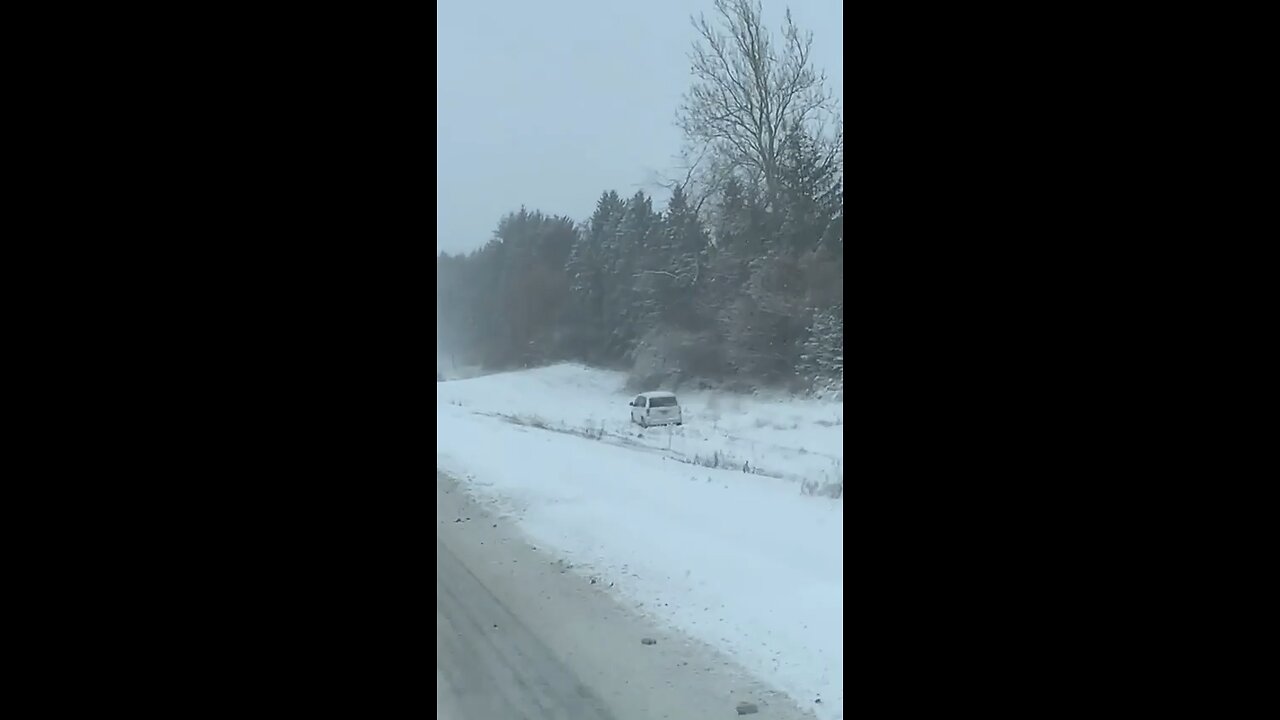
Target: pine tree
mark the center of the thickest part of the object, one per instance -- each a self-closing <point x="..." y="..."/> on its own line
<point x="822" y="362"/>
<point x="811" y="183"/>
<point x="686" y="241"/>
<point x="622" y="312"/>
<point x="589" y="270"/>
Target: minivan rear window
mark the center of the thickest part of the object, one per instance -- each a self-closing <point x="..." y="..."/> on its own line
<point x="662" y="402"/>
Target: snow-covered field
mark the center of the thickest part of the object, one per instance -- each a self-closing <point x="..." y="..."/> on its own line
<point x="797" y="440"/>
<point x="742" y="561"/>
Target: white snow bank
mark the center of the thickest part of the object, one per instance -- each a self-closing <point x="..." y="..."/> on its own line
<point x="743" y="562"/>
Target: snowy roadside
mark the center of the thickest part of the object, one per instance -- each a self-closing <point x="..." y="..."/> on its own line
<point x="742" y="562"/>
<point x="640" y="669"/>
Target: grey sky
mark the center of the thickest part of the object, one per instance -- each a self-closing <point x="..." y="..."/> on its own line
<point x="549" y="104"/>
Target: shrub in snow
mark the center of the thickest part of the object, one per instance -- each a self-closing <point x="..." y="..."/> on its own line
<point x="668" y="356"/>
<point x="711" y="462"/>
<point x="834" y="490"/>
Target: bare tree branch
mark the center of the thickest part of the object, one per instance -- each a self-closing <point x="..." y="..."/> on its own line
<point x="745" y="94"/>
<point x="656" y="272"/>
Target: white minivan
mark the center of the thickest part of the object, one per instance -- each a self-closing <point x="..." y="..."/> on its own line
<point x="656" y="408"/>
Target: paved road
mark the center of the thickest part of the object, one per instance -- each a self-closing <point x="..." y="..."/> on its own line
<point x="490" y="666"/>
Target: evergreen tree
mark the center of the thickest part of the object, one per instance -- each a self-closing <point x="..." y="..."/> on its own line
<point x="822" y="362"/>
<point x="623" y="313"/>
<point x="589" y="270"/>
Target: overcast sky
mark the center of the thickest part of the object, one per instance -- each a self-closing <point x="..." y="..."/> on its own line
<point x="549" y="104"/>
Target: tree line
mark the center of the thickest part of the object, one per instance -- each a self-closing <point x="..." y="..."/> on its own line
<point x="739" y="277"/>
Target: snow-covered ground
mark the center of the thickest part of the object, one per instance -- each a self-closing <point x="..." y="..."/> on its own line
<point x="797" y="440"/>
<point x="742" y="561"/>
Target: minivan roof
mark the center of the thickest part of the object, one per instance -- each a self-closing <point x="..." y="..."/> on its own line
<point x="657" y="393"/>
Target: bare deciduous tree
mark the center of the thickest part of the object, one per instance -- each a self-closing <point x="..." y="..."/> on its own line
<point x="746" y="94"/>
